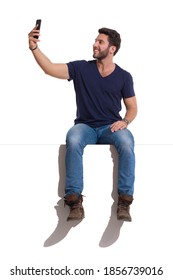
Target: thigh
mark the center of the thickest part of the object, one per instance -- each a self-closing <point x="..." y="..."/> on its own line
<point x="123" y="136"/>
<point x="81" y="133"/>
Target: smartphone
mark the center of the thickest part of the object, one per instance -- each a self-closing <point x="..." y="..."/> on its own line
<point x="38" y="26"/>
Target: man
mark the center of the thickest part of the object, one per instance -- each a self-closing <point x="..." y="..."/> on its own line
<point x="100" y="86"/>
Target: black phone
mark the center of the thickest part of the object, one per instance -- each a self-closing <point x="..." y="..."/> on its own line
<point x="38" y="26"/>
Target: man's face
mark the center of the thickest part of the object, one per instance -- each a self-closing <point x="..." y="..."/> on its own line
<point x="101" y="47"/>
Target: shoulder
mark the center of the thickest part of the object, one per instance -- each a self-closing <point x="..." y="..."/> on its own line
<point x="123" y="73"/>
<point x="80" y="63"/>
<point x="79" y="66"/>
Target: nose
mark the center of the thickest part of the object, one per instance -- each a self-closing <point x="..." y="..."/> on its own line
<point x="95" y="44"/>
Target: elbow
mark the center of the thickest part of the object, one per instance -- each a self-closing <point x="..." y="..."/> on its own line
<point x="47" y="72"/>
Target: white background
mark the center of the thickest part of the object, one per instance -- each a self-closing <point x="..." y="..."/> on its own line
<point x="35" y="113"/>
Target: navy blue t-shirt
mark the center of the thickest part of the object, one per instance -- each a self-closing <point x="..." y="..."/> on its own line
<point x="98" y="98"/>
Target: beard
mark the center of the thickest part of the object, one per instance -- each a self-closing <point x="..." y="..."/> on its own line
<point x="101" y="54"/>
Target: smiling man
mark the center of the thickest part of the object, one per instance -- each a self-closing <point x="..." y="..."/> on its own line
<point x="100" y="86"/>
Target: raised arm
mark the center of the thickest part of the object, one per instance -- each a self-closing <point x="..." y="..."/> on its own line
<point x="57" y="70"/>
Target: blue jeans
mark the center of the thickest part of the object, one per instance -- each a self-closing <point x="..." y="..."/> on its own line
<point x="81" y="135"/>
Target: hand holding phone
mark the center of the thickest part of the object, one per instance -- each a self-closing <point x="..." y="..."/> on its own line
<point x="38" y="26"/>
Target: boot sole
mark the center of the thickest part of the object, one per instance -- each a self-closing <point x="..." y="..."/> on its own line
<point x="74" y="219"/>
<point x="124" y="219"/>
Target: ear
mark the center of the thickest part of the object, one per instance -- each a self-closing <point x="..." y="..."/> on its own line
<point x="112" y="49"/>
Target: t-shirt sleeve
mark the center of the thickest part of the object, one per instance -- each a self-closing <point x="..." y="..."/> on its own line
<point x="74" y="68"/>
<point x="71" y="70"/>
<point x="128" y="88"/>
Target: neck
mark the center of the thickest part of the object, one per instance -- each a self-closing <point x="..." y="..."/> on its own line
<point x="105" y="67"/>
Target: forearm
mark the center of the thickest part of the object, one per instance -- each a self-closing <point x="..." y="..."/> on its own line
<point x="130" y="114"/>
<point x="42" y="60"/>
<point x="57" y="70"/>
<point x="131" y="108"/>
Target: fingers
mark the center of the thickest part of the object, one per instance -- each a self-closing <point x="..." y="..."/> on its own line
<point x="119" y="125"/>
<point x="34" y="35"/>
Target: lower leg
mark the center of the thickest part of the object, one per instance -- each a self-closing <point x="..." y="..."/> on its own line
<point x="126" y="177"/>
<point x="124" y="143"/>
<point x="77" y="138"/>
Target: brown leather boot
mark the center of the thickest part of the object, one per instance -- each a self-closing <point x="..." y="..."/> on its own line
<point x="123" y="209"/>
<point x="74" y="201"/>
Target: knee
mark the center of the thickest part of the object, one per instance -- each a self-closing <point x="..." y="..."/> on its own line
<point x="73" y="139"/>
<point x="126" y="141"/>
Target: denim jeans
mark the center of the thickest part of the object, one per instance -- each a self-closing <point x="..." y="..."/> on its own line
<point x="81" y="135"/>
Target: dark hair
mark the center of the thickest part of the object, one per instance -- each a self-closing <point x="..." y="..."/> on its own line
<point x="113" y="37"/>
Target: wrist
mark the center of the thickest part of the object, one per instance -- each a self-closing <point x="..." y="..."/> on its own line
<point x="126" y="121"/>
<point x="34" y="48"/>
